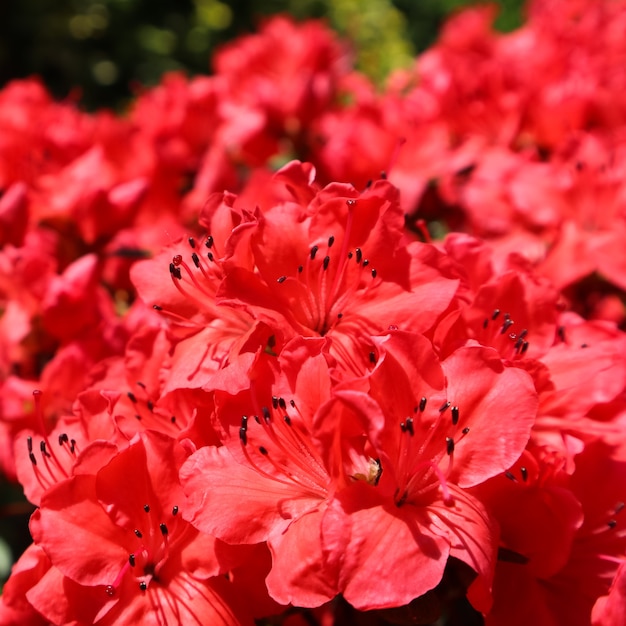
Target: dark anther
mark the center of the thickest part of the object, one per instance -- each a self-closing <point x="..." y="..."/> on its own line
<point x="510" y="476"/>
<point x="142" y="585"/>
<point x="455" y="415"/>
<point x="209" y="255"/>
<point x="561" y="333"/>
<point x="131" y="560"/>
<point x="150" y="405"/>
<point x="584" y="345"/>
<point x="287" y="420"/>
<point x="281" y="403"/>
<point x="374" y="273"/>
<point x="359" y="255"/>
<point x="192" y="242"/>
<point x="138" y="417"/>
<point x="156" y="307"/>
<point x="402" y="427"/>
<point x="300" y="269"/>
<point x="339" y="316"/>
<point x="326" y="262"/>
<point x="243" y="435"/>
<point x="506" y="325"/>
<point x="173" y="419"/>
<point x="495" y="314"/>
<point x="449" y="445"/>
<point x="146" y="508"/>
<point x="32" y="458"/>
<point x="314" y="250"/>
<point x="175" y="272"/>
<point x="282" y="279"/>
<point x="619" y="507"/>
<point x="266" y="414"/>
<point x="292" y="403"/>
<point x="422" y="404"/>
<point x="444" y="406"/>
<point x="275" y="402"/>
<point x="465" y="430"/>
<point x="163" y="529"/>
<point x="369" y="183"/>
<point x="131" y="396"/>
<point x="485" y="323"/>
<point x="195" y="259"/>
<point x="331" y="241"/>
<point x="350" y="255"/>
<point x="372" y="357"/>
<point x="523" y="334"/>
<point x="263" y="450"/>
<point x="256" y="419"/>
<point x="612" y="523"/>
<point x="42" y="447"/>
<point x="63" y="438"/>
<point x="29" y="443"/>
<point x="409" y="426"/>
<point x="209" y="242"/>
<point x="138" y="533"/>
<point x="383" y="175"/>
<point x="524" y="347"/>
<point x="518" y="344"/>
<point x="72" y="445"/>
<point x="524" y="472"/>
<point x="366" y="262"/>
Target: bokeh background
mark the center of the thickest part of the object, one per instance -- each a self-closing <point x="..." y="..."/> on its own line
<point x="100" y="52"/>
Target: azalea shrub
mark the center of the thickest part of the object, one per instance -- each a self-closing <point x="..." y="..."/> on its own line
<point x="280" y="348"/>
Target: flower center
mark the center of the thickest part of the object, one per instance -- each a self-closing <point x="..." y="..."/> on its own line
<point x="154" y="546"/>
<point x="283" y="450"/>
<point x="326" y="283"/>
<point x="495" y="332"/>
<point x="419" y="468"/>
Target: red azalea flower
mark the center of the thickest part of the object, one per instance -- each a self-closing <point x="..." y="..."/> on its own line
<point x="29" y="150"/>
<point x="581" y="383"/>
<point x="277" y="82"/>
<point x="273" y="459"/>
<point x="554" y="582"/>
<point x="344" y="271"/>
<point x="437" y="430"/>
<point x="46" y="457"/>
<point x="137" y="559"/>
<point x="503" y="304"/>
<point x="335" y="265"/>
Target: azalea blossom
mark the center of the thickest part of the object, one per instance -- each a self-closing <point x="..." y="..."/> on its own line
<point x="386" y="385"/>
<point x="147" y="560"/>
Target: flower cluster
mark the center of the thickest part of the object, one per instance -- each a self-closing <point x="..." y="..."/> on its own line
<point x="276" y="348"/>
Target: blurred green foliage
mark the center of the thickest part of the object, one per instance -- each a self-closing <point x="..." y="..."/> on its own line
<point x="104" y="47"/>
